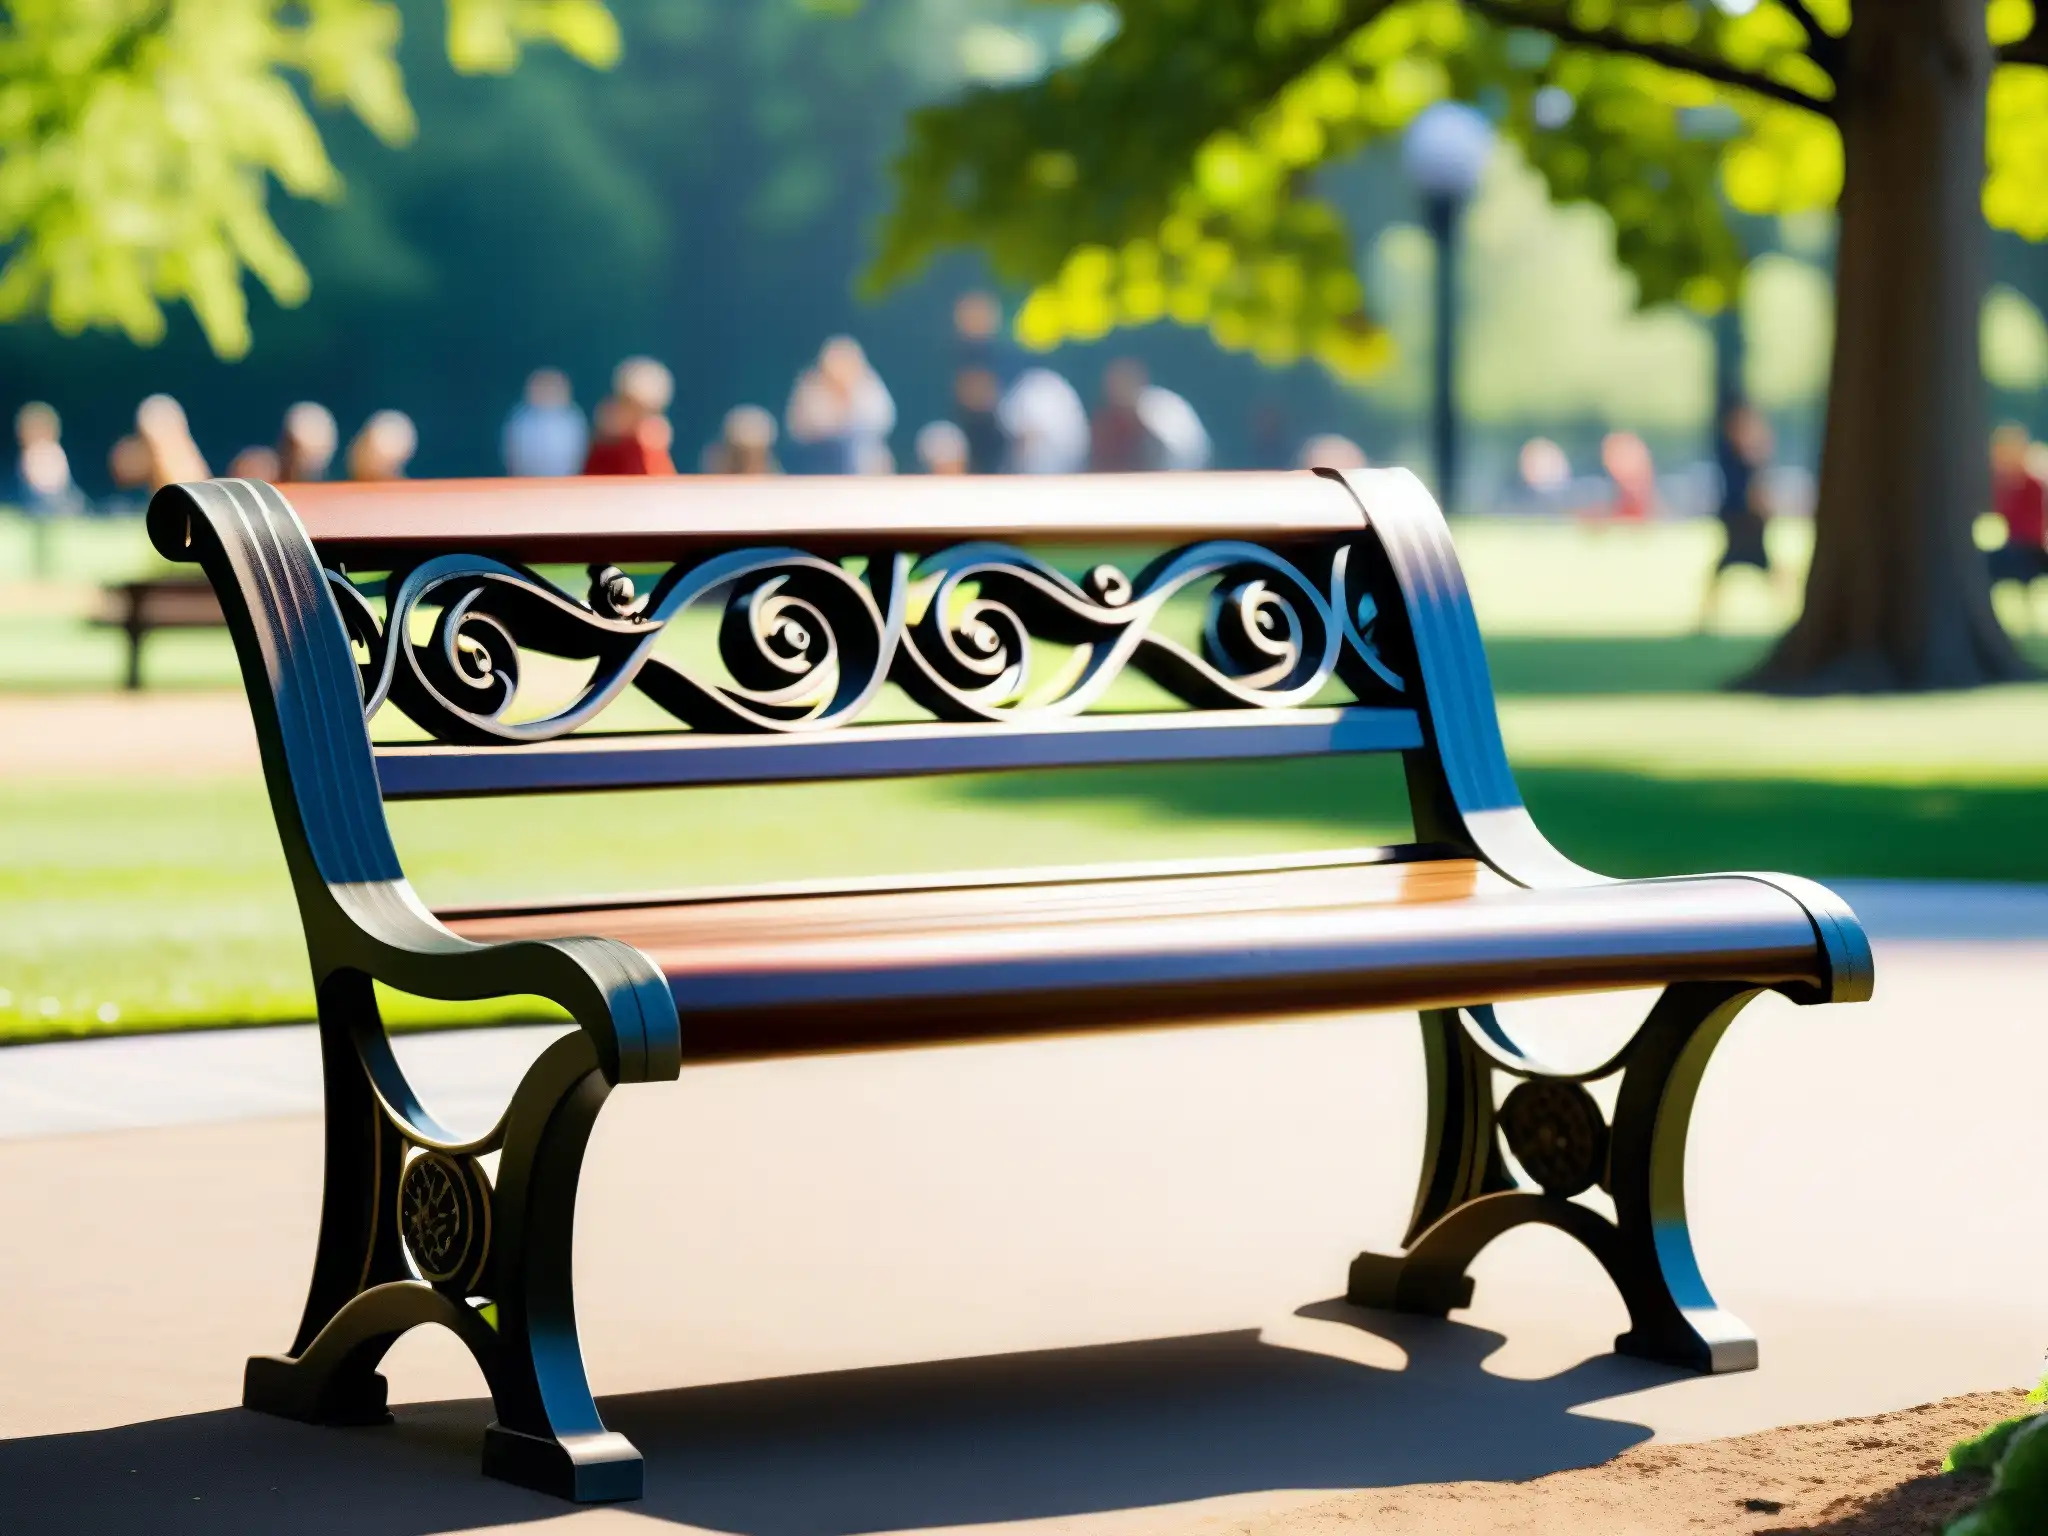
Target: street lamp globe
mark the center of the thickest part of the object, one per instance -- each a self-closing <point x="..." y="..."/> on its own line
<point x="1446" y="149"/>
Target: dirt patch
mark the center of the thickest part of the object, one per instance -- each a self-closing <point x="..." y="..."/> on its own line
<point x="1852" y="1477"/>
<point x="126" y="734"/>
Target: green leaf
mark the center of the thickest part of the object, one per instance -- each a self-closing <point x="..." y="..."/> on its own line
<point x="139" y="140"/>
<point x="488" y="36"/>
<point x="2016" y="150"/>
<point x="1980" y="1453"/>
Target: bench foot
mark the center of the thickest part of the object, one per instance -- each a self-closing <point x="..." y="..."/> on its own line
<point x="601" y="1468"/>
<point x="1556" y="1132"/>
<point x="281" y="1386"/>
<point x="414" y="1231"/>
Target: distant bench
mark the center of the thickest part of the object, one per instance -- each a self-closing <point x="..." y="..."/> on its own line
<point x="1281" y="615"/>
<point x="140" y="608"/>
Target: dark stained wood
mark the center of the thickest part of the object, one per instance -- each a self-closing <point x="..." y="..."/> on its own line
<point x="670" y="759"/>
<point x="139" y="608"/>
<point x="933" y="881"/>
<point x="166" y="602"/>
<point x="780" y="975"/>
<point x="627" y="518"/>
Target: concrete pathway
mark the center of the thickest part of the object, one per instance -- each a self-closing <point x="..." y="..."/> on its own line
<point x="1078" y="1285"/>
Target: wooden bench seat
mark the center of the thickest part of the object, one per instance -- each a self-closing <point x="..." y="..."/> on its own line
<point x="851" y="628"/>
<point x="817" y="970"/>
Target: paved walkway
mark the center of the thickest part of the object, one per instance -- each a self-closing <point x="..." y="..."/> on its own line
<point x="1078" y="1285"/>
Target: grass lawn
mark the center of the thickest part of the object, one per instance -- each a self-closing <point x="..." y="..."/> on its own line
<point x="133" y="901"/>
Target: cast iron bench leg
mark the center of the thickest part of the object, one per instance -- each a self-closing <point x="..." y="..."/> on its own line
<point x="1467" y="1197"/>
<point x="493" y="1264"/>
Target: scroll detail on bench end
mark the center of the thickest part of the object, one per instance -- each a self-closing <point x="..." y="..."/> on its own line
<point x="1852" y="970"/>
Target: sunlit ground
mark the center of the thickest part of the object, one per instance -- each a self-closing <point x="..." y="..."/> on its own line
<point x="139" y="899"/>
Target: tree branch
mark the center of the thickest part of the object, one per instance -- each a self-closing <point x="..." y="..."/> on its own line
<point x="1822" y="45"/>
<point x="2031" y="49"/>
<point x="1720" y="71"/>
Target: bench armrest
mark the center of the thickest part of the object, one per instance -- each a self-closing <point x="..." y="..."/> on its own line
<point x="1461" y="790"/>
<point x="306" y="702"/>
<point x="618" y="995"/>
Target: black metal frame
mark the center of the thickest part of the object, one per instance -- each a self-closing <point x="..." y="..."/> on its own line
<point x="414" y="1231"/>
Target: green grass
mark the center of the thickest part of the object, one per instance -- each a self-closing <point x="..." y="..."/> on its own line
<point x="135" y="902"/>
<point x="126" y="904"/>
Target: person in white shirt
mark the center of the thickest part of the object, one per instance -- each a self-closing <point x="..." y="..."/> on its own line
<point x="1046" y="424"/>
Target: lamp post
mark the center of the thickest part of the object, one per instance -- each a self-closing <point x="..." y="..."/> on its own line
<point x="1445" y="150"/>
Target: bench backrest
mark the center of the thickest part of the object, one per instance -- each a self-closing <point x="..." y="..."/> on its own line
<point x="1332" y="620"/>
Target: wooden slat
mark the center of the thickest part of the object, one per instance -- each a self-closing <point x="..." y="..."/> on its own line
<point x="757" y="977"/>
<point x="172" y="602"/>
<point x="741" y="929"/>
<point x="632" y="518"/>
<point x="675" y="759"/>
<point x="563" y="914"/>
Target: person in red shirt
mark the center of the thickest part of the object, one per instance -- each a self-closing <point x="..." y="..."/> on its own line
<point x="2021" y="502"/>
<point x="1626" y="458"/>
<point x="633" y="433"/>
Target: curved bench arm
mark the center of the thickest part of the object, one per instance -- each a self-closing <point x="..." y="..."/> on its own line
<point x="618" y="995"/>
<point x="306" y="701"/>
<point x="1460" y="787"/>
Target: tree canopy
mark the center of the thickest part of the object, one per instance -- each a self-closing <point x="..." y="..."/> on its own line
<point x="139" y="139"/>
<point x="1171" y="173"/>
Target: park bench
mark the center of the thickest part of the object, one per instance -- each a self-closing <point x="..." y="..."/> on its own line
<point x="140" y="608"/>
<point x="1332" y="620"/>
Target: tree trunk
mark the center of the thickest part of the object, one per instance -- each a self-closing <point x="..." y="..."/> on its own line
<point x="1899" y="595"/>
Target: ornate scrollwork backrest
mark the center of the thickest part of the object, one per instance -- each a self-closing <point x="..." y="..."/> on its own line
<point x="807" y="642"/>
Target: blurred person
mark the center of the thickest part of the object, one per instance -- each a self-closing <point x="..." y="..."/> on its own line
<point x="976" y="393"/>
<point x="257" y="463"/>
<point x="981" y="365"/>
<point x="1175" y="436"/>
<point x="305" y="446"/>
<point x="978" y="332"/>
<point x="1626" y="458"/>
<point x="1329" y="450"/>
<point x="2021" y="502"/>
<point x="1543" y="466"/>
<point x="545" y="435"/>
<point x="745" y="446"/>
<point x="1045" y="425"/>
<point x="1743" y="450"/>
<point x="1117" y="439"/>
<point x="2037" y="461"/>
<point x="383" y="448"/>
<point x="633" y="433"/>
<point x="42" y="469"/>
<point x="129" y="463"/>
<point x="42" y="478"/>
<point x="942" y="449"/>
<point x="174" y="458"/>
<point x="1269" y="439"/>
<point x="843" y="412"/>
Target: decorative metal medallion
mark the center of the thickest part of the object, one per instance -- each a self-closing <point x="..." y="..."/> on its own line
<point x="444" y="1212"/>
<point x="1557" y="1133"/>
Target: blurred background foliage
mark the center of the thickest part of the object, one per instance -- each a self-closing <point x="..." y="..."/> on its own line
<point x="1179" y="167"/>
<point x="715" y="193"/>
<point x="139" y="138"/>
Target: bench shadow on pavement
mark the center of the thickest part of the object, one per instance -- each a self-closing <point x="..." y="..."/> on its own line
<point x="962" y="1442"/>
